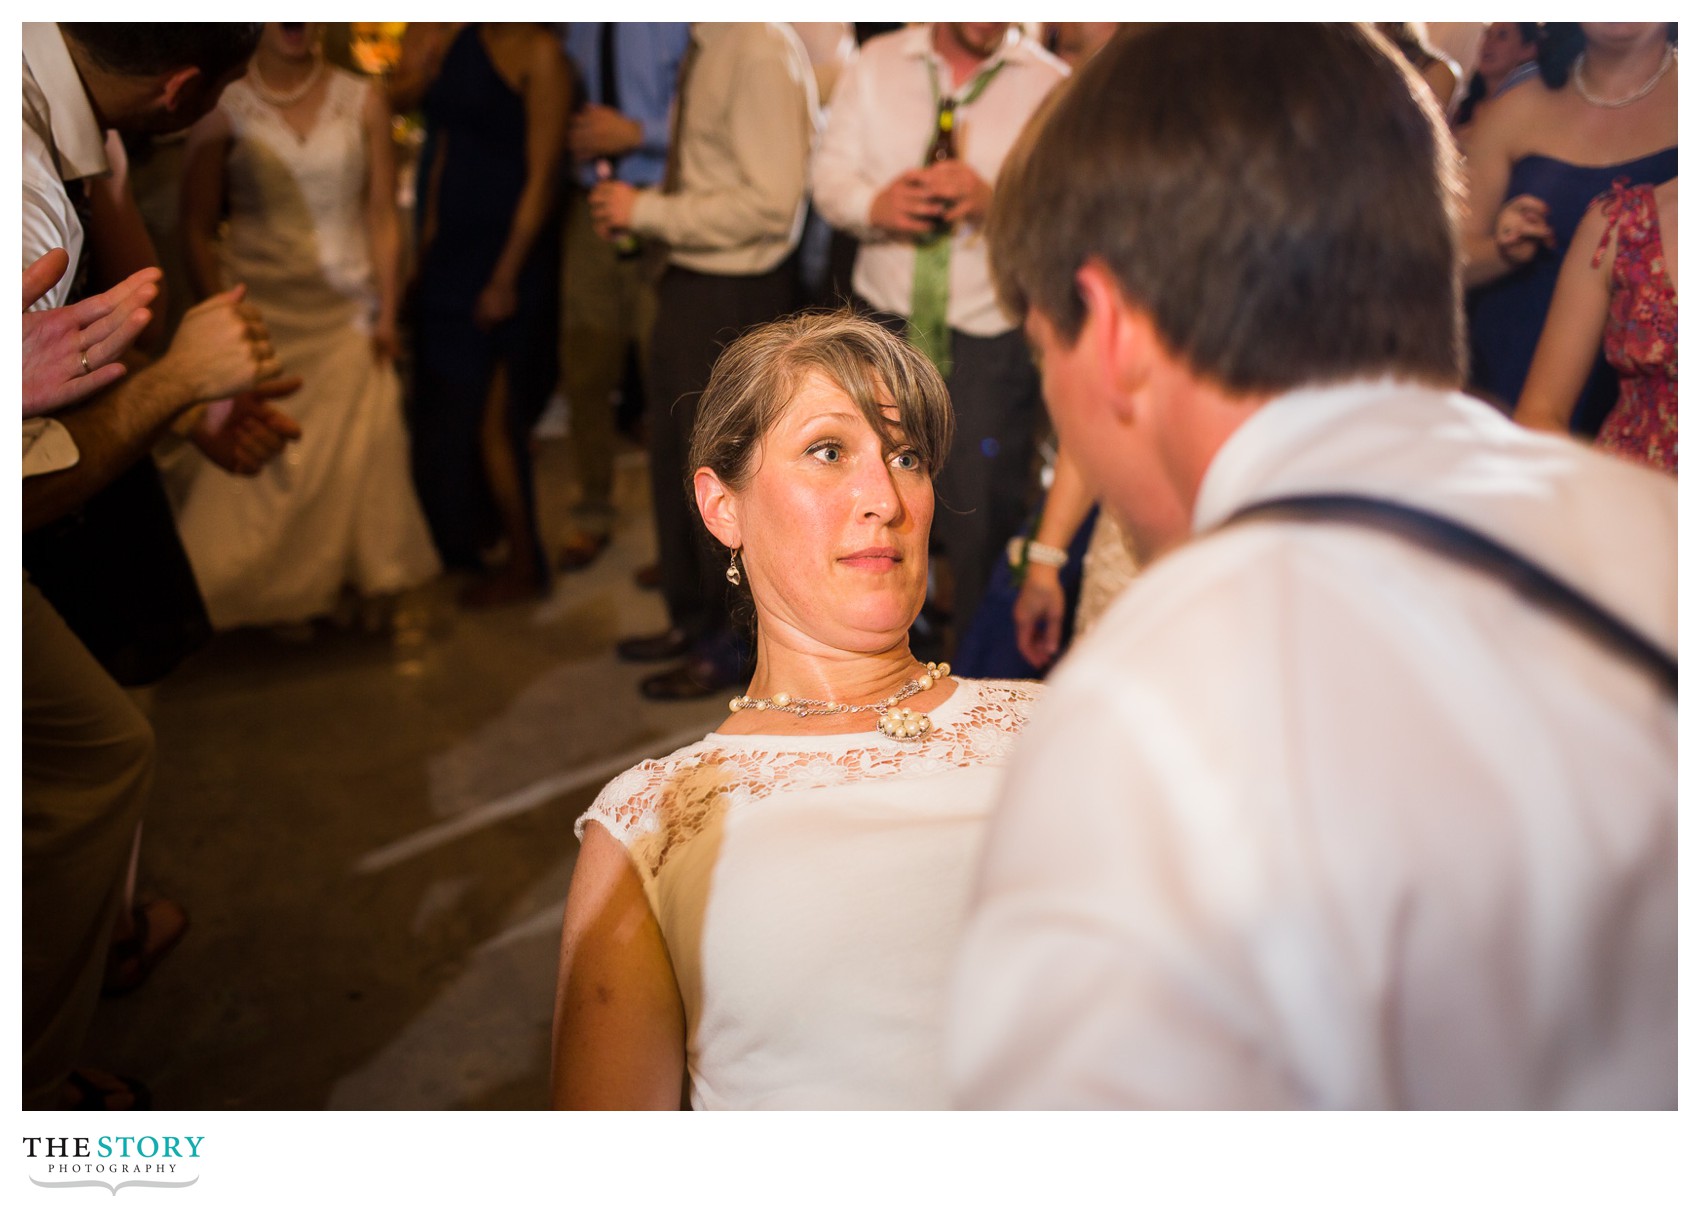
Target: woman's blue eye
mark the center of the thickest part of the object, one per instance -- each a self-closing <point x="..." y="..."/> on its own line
<point x="906" y="460"/>
<point x="827" y="453"/>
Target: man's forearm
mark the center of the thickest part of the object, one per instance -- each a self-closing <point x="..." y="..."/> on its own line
<point x="111" y="432"/>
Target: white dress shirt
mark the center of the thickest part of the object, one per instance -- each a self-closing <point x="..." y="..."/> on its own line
<point x="62" y="142"/>
<point x="882" y="121"/>
<point x="1316" y="818"/>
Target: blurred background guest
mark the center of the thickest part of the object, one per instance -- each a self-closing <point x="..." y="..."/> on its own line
<point x="1534" y="161"/>
<point x="920" y="125"/>
<point x="485" y="299"/>
<point x="730" y="210"/>
<point x="1617" y="288"/>
<point x="1438" y="70"/>
<point x="297" y="161"/>
<point x="617" y="133"/>
<point x="1505" y="59"/>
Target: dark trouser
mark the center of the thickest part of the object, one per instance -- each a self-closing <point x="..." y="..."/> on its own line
<point x="981" y="494"/>
<point x="696" y="315"/>
<point x="607" y="306"/>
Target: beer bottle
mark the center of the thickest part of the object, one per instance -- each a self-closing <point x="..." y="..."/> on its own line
<point x="942" y="149"/>
<point x="625" y="243"/>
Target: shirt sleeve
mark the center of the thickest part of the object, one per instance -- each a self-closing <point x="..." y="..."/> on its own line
<point x="1100" y="967"/>
<point x="770" y="129"/>
<point x="47" y="446"/>
<point x="843" y="189"/>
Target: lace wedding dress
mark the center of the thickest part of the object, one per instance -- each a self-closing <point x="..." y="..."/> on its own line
<point x="338" y="507"/>
<point x="810" y="890"/>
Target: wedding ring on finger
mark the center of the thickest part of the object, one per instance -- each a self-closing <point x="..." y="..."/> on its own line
<point x="83" y="357"/>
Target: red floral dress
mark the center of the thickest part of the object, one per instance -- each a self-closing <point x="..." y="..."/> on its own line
<point x="1640" y="336"/>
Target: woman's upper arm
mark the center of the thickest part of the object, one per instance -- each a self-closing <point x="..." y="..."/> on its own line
<point x="201" y="197"/>
<point x="548" y="93"/>
<point x="1487" y="169"/>
<point x="1575" y="325"/>
<point x="619" y="1039"/>
<point x="380" y="149"/>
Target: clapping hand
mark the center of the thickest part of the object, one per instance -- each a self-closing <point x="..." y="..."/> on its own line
<point x="221" y="348"/>
<point x="244" y="433"/>
<point x="72" y="352"/>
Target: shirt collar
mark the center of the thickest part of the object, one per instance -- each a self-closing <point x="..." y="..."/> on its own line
<point x="57" y="105"/>
<point x="1278" y="431"/>
<point x="921" y="47"/>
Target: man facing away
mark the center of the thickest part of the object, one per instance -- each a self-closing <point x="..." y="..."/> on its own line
<point x="1321" y="815"/>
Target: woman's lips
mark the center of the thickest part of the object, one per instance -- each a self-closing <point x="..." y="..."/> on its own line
<point x="873" y="559"/>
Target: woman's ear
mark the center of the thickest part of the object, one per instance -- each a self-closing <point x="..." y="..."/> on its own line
<point x="719" y="508"/>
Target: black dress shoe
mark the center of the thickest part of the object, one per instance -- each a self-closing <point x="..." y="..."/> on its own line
<point x="697" y="678"/>
<point x="667" y="645"/>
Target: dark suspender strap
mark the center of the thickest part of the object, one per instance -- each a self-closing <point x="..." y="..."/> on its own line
<point x="1447" y="538"/>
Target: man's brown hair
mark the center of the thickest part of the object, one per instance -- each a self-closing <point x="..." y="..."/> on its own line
<point x="1282" y="200"/>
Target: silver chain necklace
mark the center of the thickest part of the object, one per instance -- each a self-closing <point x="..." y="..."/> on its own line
<point x="898" y="723"/>
<point x="284" y="100"/>
<point x="1632" y="98"/>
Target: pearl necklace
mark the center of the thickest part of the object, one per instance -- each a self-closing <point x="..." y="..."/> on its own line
<point x="284" y="100"/>
<point x="898" y="723"/>
<point x="1632" y="98"/>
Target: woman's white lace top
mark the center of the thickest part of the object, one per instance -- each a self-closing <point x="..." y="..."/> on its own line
<point x="811" y="890"/>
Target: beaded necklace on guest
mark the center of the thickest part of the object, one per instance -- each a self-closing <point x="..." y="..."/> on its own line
<point x="1632" y="98"/>
<point x="898" y="723"/>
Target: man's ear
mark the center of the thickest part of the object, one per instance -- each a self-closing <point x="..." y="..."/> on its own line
<point x="719" y="508"/>
<point x="179" y="87"/>
<point x="1123" y="335"/>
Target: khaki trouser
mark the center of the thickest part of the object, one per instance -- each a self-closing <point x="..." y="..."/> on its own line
<point x="87" y="763"/>
<point x="607" y="306"/>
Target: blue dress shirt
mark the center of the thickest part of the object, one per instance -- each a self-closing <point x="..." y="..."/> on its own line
<point x="646" y="56"/>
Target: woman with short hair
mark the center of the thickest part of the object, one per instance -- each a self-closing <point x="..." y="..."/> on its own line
<point x="769" y="912"/>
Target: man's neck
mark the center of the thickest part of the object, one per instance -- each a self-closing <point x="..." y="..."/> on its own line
<point x="963" y="63"/>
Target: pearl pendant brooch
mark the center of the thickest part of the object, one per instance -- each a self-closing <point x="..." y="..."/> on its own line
<point x="902" y="724"/>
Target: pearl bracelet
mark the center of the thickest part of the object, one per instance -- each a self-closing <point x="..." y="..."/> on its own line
<point x="1031" y="551"/>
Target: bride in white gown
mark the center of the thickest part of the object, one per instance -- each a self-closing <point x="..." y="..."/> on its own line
<point x="298" y="154"/>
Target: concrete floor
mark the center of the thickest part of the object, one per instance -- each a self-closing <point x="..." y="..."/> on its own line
<point x="373" y="837"/>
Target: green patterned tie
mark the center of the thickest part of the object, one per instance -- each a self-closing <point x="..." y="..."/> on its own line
<point x="929" y="298"/>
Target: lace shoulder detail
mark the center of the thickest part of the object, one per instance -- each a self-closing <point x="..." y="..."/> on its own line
<point x="658" y="804"/>
<point x="346" y="94"/>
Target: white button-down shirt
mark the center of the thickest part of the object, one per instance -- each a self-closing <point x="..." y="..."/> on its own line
<point x="62" y="142"/>
<point x="1318" y="818"/>
<point x="881" y="123"/>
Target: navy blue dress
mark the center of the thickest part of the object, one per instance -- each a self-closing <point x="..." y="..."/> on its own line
<point x="1506" y="315"/>
<point x="475" y="128"/>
